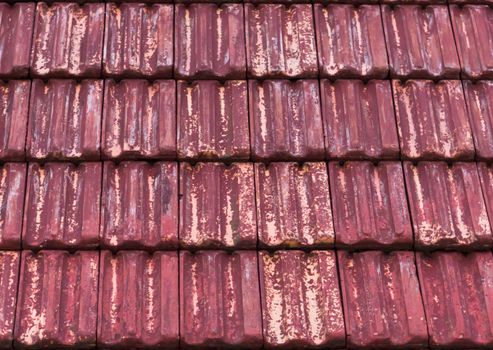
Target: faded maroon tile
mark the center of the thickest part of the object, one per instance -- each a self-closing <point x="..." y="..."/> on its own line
<point x="9" y="277"/>
<point x="213" y="120"/>
<point x="65" y="120"/>
<point x="293" y="205"/>
<point x="220" y="300"/>
<point x="280" y="41"/>
<point x="432" y="120"/>
<point x="285" y="120"/>
<point x="140" y="206"/>
<point x="62" y="206"/>
<point x="217" y="206"/>
<point x="14" y="106"/>
<point x="359" y="119"/>
<point x="383" y="308"/>
<point x="138" y="40"/>
<point x="301" y="301"/>
<point x="420" y="42"/>
<point x="139" y="119"/>
<point x="457" y="292"/>
<point x="57" y="300"/>
<point x="138" y="300"/>
<point x="16" y="30"/>
<point x="471" y="2"/>
<point x="350" y="41"/>
<point x="447" y="206"/>
<point x="369" y="205"/>
<point x="209" y="41"/>
<point x="486" y="178"/>
<point x="12" y="190"/>
<point x="68" y="40"/>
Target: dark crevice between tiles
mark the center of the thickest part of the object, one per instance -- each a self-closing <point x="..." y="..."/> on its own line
<point x="331" y="205"/>
<point x="97" y="297"/>
<point x="339" y="281"/>
<point x="422" y="296"/>
<point x="455" y="39"/>
<point x="469" y="117"/>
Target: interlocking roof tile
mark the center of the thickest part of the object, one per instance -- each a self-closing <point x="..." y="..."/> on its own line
<point x="359" y="119"/>
<point x="139" y="119"/>
<point x="432" y="120"/>
<point x="138" y="300"/>
<point x="285" y="120"/>
<point x="57" y="300"/>
<point x="9" y="279"/>
<point x="138" y="40"/>
<point x="139" y="205"/>
<point x="369" y="205"/>
<point x="219" y="300"/>
<point x="486" y="178"/>
<point x="213" y="120"/>
<point x="217" y="206"/>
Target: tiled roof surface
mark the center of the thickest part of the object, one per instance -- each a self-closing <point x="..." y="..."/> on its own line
<point x="255" y="174"/>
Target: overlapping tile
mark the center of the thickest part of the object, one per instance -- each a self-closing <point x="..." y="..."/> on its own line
<point x="485" y="171"/>
<point x="9" y="279"/>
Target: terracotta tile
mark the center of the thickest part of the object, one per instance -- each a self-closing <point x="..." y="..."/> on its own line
<point x="432" y="120"/>
<point x="369" y="206"/>
<point x="139" y="119"/>
<point x="220" y="300"/>
<point x="9" y="277"/>
<point x="359" y="119"/>
<point x="486" y="178"/>
<point x="293" y="205"/>
<point x="470" y="2"/>
<point x="217" y="206"/>
<point x="140" y="206"/>
<point x="213" y="120"/>
<point x="138" y="300"/>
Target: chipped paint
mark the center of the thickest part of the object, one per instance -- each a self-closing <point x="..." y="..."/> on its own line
<point x="9" y="275"/>
<point x="12" y="180"/>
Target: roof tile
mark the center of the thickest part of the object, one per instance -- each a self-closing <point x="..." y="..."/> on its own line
<point x="486" y="178"/>
<point x="9" y="277"/>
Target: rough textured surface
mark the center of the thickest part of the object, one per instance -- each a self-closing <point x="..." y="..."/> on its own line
<point x="213" y="120"/>
<point x="293" y="205"/>
<point x="138" y="300"/>
<point x="140" y="206"/>
<point x="382" y="301"/>
<point x="139" y="119"/>
<point x="217" y="206"/>
<point x="57" y="300"/>
<point x="220" y="300"/>
<point x="9" y="279"/>
<point x="359" y="119"/>
<point x="432" y="120"/>
<point x="369" y="206"/>
<point x="486" y="178"/>
<point x="12" y="188"/>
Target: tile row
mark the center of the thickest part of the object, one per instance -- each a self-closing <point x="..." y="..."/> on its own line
<point x="233" y="41"/>
<point x="163" y="206"/>
<point x="248" y="299"/>
<point x="235" y="120"/>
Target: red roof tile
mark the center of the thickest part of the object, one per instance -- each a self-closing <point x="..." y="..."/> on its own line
<point x="139" y="206"/>
<point x="486" y="178"/>
<point x="217" y="206"/>
<point x="213" y="120"/>
<point x="369" y="205"/>
<point x="139" y="119"/>
<point x="9" y="277"/>
<point x="285" y="120"/>
<point x="138" y="300"/>
<point x="219" y="300"/>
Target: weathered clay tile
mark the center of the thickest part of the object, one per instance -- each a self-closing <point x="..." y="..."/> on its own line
<point x="57" y="300"/>
<point x="138" y="40"/>
<point x="369" y="205"/>
<point x="447" y="206"/>
<point x="420" y="42"/>
<point x="359" y="119"/>
<point x="138" y="300"/>
<point x="301" y="302"/>
<point x="16" y="30"/>
<point x="140" y="205"/>
<point x="139" y="119"/>
<point x="220" y="300"/>
<point x="285" y="120"/>
<point x="213" y="120"/>
<point x="209" y="41"/>
<point x="65" y="120"/>
<point x="12" y="190"/>
<point x="217" y="206"/>
<point x="432" y="120"/>
<point x="293" y="205"/>
<point x="68" y="40"/>
<point x="383" y="308"/>
<point x="486" y="178"/>
<point x="280" y="41"/>
<point x="473" y="29"/>
<point x="9" y="277"/>
<point x="62" y="206"/>
<point x="350" y="41"/>
<point x="457" y="292"/>
<point x="14" y="106"/>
